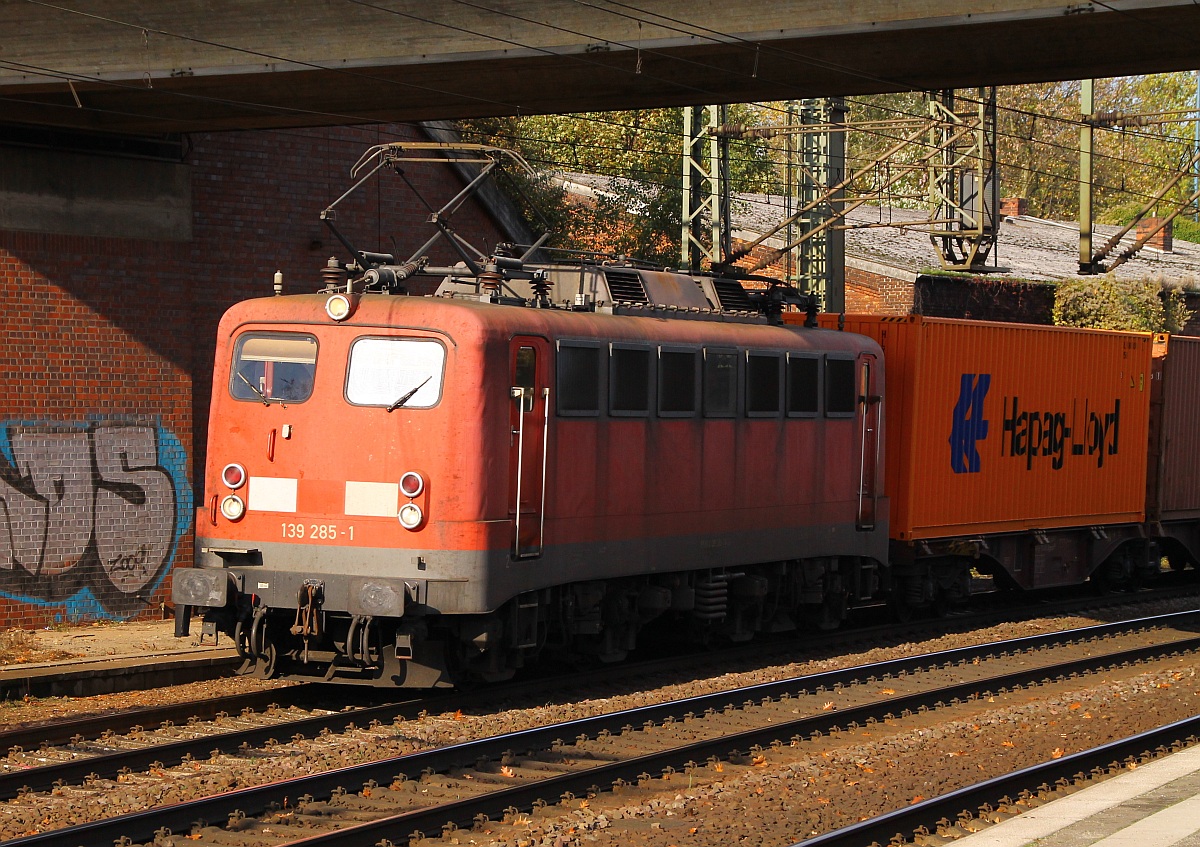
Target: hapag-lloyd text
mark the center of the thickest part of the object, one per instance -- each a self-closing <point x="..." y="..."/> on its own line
<point x="1054" y="435"/>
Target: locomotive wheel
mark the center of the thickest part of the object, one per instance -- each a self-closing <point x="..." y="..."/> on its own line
<point x="241" y="641"/>
<point x="264" y="668"/>
<point x="902" y="611"/>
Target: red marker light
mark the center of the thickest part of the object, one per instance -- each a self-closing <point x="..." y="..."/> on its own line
<point x="411" y="484"/>
<point x="234" y="475"/>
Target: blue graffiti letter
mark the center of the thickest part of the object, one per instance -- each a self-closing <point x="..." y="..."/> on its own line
<point x="969" y="426"/>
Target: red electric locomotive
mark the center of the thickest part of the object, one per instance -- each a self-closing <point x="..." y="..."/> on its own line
<point x="408" y="491"/>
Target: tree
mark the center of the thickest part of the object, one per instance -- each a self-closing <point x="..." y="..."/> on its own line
<point x="637" y="209"/>
<point x="1038" y="141"/>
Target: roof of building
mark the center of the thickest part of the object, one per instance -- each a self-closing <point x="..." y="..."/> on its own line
<point x="1028" y="248"/>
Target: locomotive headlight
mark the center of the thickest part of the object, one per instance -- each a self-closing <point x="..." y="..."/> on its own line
<point x="410" y="516"/>
<point x="412" y="484"/>
<point x="339" y="307"/>
<point x="233" y="508"/>
<point x="234" y="475"/>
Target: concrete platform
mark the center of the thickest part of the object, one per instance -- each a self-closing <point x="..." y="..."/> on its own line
<point x="101" y="659"/>
<point x="1157" y="805"/>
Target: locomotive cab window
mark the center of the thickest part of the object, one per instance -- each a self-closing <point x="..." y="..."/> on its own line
<point x="274" y="366"/>
<point x="840" y="396"/>
<point x="763" y="384"/>
<point x="629" y="381"/>
<point x="803" y="385"/>
<point x="720" y="383"/>
<point x="395" y="372"/>
<point x="578" y="378"/>
<point x="678" y="383"/>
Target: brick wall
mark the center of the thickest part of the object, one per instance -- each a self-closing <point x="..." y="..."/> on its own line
<point x="1014" y="206"/>
<point x="107" y="356"/>
<point x="1162" y="239"/>
<point x="983" y="299"/>
<point x="877" y="289"/>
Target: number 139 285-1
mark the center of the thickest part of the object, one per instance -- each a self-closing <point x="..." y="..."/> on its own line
<point x="317" y="531"/>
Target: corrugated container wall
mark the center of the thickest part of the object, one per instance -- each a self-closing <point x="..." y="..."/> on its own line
<point x="1007" y="427"/>
<point x="1178" y="454"/>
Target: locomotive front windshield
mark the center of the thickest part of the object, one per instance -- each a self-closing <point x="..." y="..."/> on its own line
<point x="395" y="372"/>
<point x="274" y="366"/>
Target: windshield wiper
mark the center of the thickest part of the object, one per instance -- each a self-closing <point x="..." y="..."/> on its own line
<point x="254" y="388"/>
<point x="408" y="395"/>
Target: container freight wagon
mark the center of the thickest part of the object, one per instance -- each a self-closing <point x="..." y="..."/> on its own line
<point x="1012" y="449"/>
<point x="1173" y="490"/>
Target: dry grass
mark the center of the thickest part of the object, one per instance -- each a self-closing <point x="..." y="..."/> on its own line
<point x="20" y="646"/>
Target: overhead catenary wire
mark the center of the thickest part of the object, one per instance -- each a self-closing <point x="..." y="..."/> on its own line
<point x="715" y="36"/>
<point x="712" y="34"/>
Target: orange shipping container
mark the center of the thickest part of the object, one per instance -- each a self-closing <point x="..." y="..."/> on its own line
<point x="994" y="428"/>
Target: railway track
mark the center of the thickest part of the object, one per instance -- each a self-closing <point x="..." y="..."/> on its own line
<point x="36" y="739"/>
<point x="58" y="753"/>
<point x="992" y="800"/>
<point x="492" y="782"/>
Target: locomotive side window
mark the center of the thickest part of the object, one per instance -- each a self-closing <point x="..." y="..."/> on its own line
<point x="525" y="375"/>
<point x="839" y="387"/>
<point x="677" y="383"/>
<point x="629" y="381"/>
<point x="803" y="384"/>
<point x="395" y="372"/>
<point x="274" y="366"/>
<point x="720" y="383"/>
<point x="578" y="378"/>
<point x="526" y="369"/>
<point x="763" y="384"/>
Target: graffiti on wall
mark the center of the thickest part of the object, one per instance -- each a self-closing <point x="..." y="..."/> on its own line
<point x="90" y="515"/>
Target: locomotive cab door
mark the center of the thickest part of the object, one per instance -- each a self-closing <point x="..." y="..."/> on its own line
<point x="529" y="416"/>
<point x="869" y="415"/>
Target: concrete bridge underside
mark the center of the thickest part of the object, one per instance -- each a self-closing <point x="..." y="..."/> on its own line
<point x="155" y="66"/>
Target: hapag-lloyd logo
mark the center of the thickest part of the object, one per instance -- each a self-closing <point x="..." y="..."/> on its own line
<point x="969" y="426"/>
<point x="1029" y="435"/>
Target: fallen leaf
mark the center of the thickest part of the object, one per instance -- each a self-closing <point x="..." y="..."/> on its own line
<point x="1057" y="752"/>
<point x="918" y="798"/>
<point x="1075" y="706"/>
<point x="505" y="770"/>
<point x="888" y="691"/>
<point x="827" y="707"/>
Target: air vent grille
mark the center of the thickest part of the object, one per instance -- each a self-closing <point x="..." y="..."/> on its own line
<point x="626" y="286"/>
<point x="732" y="296"/>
